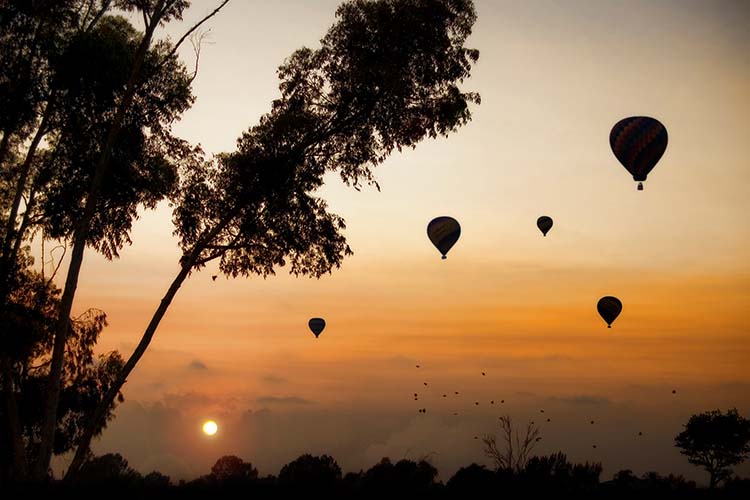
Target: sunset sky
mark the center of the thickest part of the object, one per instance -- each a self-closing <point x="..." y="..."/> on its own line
<point x="554" y="77"/>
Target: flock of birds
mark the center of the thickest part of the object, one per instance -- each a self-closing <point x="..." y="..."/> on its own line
<point x="502" y="401"/>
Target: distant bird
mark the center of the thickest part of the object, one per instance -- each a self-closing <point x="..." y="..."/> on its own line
<point x="593" y="445"/>
<point x="549" y="420"/>
<point x="213" y="278"/>
<point x="476" y="403"/>
<point x="674" y="391"/>
<point x="425" y="383"/>
<point x="492" y="402"/>
<point x="456" y="413"/>
<point x="456" y="393"/>
<point x="541" y="411"/>
<point x="484" y="374"/>
<point x="417" y="366"/>
<point x="476" y="437"/>
<point x="415" y="394"/>
<point x="538" y="439"/>
<point x="445" y="395"/>
<point x="502" y="401"/>
<point x="640" y="434"/>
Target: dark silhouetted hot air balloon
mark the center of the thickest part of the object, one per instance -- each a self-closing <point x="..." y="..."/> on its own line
<point x="443" y="233"/>
<point x="609" y="309"/>
<point x="316" y="325"/>
<point x="638" y="142"/>
<point x="544" y="224"/>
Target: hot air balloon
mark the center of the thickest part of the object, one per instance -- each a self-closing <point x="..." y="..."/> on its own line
<point x="609" y="309"/>
<point x="544" y="224"/>
<point x="443" y="233"/>
<point x="316" y="325"/>
<point x="639" y="143"/>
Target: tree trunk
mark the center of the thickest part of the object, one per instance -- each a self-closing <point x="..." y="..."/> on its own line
<point x="80" y="235"/>
<point x="5" y="144"/>
<point x="100" y="413"/>
<point x="97" y="419"/>
<point x="10" y="225"/>
<point x="20" y="466"/>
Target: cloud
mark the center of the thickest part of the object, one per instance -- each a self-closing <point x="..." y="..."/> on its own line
<point x="197" y="364"/>
<point x="274" y="379"/>
<point x="293" y="400"/>
<point x="584" y="400"/>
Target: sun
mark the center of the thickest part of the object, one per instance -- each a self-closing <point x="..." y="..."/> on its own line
<point x="210" y="427"/>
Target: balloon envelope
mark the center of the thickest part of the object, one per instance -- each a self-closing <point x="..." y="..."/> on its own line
<point x="443" y="233"/>
<point x="639" y="143"/>
<point x="609" y="309"/>
<point x="544" y="224"/>
<point x="316" y="325"/>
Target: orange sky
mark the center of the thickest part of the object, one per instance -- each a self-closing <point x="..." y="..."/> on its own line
<point x="554" y="77"/>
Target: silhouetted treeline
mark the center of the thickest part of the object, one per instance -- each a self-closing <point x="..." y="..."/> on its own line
<point x="552" y="476"/>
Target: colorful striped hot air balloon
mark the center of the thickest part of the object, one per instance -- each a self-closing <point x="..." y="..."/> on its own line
<point x="609" y="309"/>
<point x="316" y="325"/>
<point x="639" y="143"/>
<point x="443" y="233"/>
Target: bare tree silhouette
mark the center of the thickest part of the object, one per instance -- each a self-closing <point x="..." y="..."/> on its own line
<point x="517" y="449"/>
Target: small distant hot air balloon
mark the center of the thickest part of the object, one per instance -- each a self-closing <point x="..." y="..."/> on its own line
<point x="443" y="233"/>
<point x="638" y="142"/>
<point x="544" y="224"/>
<point x="316" y="325"/>
<point x="609" y="309"/>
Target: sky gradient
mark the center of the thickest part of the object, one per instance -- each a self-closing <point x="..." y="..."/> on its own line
<point x="554" y="77"/>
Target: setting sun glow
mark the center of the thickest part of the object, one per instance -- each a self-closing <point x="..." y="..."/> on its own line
<point x="210" y="427"/>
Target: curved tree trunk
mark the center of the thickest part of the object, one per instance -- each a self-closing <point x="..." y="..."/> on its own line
<point x="97" y="419"/>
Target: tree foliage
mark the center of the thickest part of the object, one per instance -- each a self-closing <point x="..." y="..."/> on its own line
<point x="233" y="468"/>
<point x="27" y="342"/>
<point x="716" y="441"/>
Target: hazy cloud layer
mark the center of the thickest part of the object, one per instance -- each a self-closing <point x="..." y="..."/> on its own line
<point x="274" y="379"/>
<point x="289" y="400"/>
<point x="270" y="431"/>
<point x="197" y="364"/>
